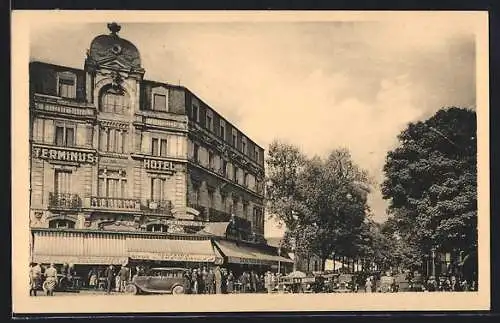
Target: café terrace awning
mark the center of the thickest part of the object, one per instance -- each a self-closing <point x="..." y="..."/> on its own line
<point x="104" y="248"/>
<point x="242" y="254"/>
<point x="78" y="248"/>
<point x="172" y="250"/>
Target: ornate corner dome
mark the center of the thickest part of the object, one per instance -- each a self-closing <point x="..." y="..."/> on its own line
<point x="113" y="51"/>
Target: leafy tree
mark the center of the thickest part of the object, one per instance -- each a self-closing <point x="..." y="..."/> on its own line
<point x="431" y="182"/>
<point x="284" y="164"/>
<point x="321" y="201"/>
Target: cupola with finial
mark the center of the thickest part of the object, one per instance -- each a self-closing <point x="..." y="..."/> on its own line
<point x="113" y="52"/>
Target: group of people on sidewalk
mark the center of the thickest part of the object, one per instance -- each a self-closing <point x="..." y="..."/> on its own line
<point x="42" y="278"/>
<point x="110" y="279"/>
<point x="223" y="281"/>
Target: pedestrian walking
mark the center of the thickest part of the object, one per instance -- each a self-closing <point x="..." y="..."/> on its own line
<point x="92" y="276"/>
<point x="230" y="282"/>
<point x="218" y="280"/>
<point x="35" y="278"/>
<point x="194" y="281"/>
<point x="124" y="277"/>
<point x="50" y="280"/>
<point x="368" y="285"/>
<point x="109" y="274"/>
<point x="268" y="282"/>
<point x="204" y="280"/>
<point x="210" y="281"/>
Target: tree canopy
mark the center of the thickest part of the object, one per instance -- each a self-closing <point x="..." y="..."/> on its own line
<point x="431" y="182"/>
<point x="322" y="201"/>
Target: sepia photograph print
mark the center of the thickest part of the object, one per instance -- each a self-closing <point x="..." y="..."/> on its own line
<point x="250" y="161"/>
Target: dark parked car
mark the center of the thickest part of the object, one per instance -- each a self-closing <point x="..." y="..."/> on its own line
<point x="160" y="281"/>
<point x="344" y="284"/>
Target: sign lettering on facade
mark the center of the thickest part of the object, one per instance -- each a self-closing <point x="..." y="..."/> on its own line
<point x="159" y="165"/>
<point x="64" y="155"/>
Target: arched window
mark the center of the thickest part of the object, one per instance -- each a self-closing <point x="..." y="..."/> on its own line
<point x="113" y="101"/>
<point x="156" y="227"/>
<point x="61" y="224"/>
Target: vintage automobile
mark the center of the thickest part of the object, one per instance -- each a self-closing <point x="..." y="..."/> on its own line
<point x="313" y="284"/>
<point x="160" y="281"/>
<point x="344" y="284"/>
<point x="386" y="284"/>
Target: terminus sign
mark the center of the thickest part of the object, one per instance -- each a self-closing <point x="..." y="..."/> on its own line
<point x="60" y="154"/>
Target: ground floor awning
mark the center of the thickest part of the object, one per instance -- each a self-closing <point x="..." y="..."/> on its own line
<point x="76" y="248"/>
<point x="104" y="248"/>
<point x="172" y="250"/>
<point x="243" y="254"/>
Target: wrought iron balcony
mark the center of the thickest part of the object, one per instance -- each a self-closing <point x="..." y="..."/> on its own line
<point x="64" y="201"/>
<point x="157" y="206"/>
<point x="114" y="203"/>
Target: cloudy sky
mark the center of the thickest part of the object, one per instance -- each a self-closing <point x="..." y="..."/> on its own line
<point x="320" y="85"/>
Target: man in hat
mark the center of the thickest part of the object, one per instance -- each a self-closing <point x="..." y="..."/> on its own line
<point x="124" y="277"/>
<point x="109" y="273"/>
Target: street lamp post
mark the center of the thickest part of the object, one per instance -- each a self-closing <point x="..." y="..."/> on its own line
<point x="433" y="262"/>
<point x="279" y="261"/>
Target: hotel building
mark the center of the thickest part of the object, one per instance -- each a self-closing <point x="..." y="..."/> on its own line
<point x="125" y="169"/>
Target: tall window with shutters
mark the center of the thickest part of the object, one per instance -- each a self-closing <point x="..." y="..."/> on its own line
<point x="62" y="181"/>
<point x="222" y="129"/>
<point x="66" y="85"/>
<point x="112" y="183"/>
<point x="114" y="102"/>
<point x="159" y="147"/>
<point x="64" y="135"/>
<point x="160" y="102"/>
<point x="157" y="189"/>
<point x="112" y="140"/>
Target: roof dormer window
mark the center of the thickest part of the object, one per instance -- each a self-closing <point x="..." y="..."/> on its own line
<point x="66" y="85"/>
<point x="159" y="100"/>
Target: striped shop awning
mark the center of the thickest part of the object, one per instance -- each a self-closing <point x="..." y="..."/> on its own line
<point x="78" y="248"/>
<point x="241" y="254"/>
<point x="172" y="250"/>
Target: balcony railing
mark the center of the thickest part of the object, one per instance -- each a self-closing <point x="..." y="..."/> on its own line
<point x="59" y="109"/>
<point x="157" y="206"/>
<point x="64" y="201"/>
<point x="114" y="203"/>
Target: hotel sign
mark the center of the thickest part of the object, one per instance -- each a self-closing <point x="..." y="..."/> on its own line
<point x="61" y="154"/>
<point x="163" y="165"/>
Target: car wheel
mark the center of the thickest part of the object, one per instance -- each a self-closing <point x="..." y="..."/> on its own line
<point x="177" y="290"/>
<point x="131" y="289"/>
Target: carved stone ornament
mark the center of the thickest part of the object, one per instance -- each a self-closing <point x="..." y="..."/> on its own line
<point x="38" y="215"/>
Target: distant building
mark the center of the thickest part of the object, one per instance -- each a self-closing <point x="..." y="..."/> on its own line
<point x="126" y="169"/>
